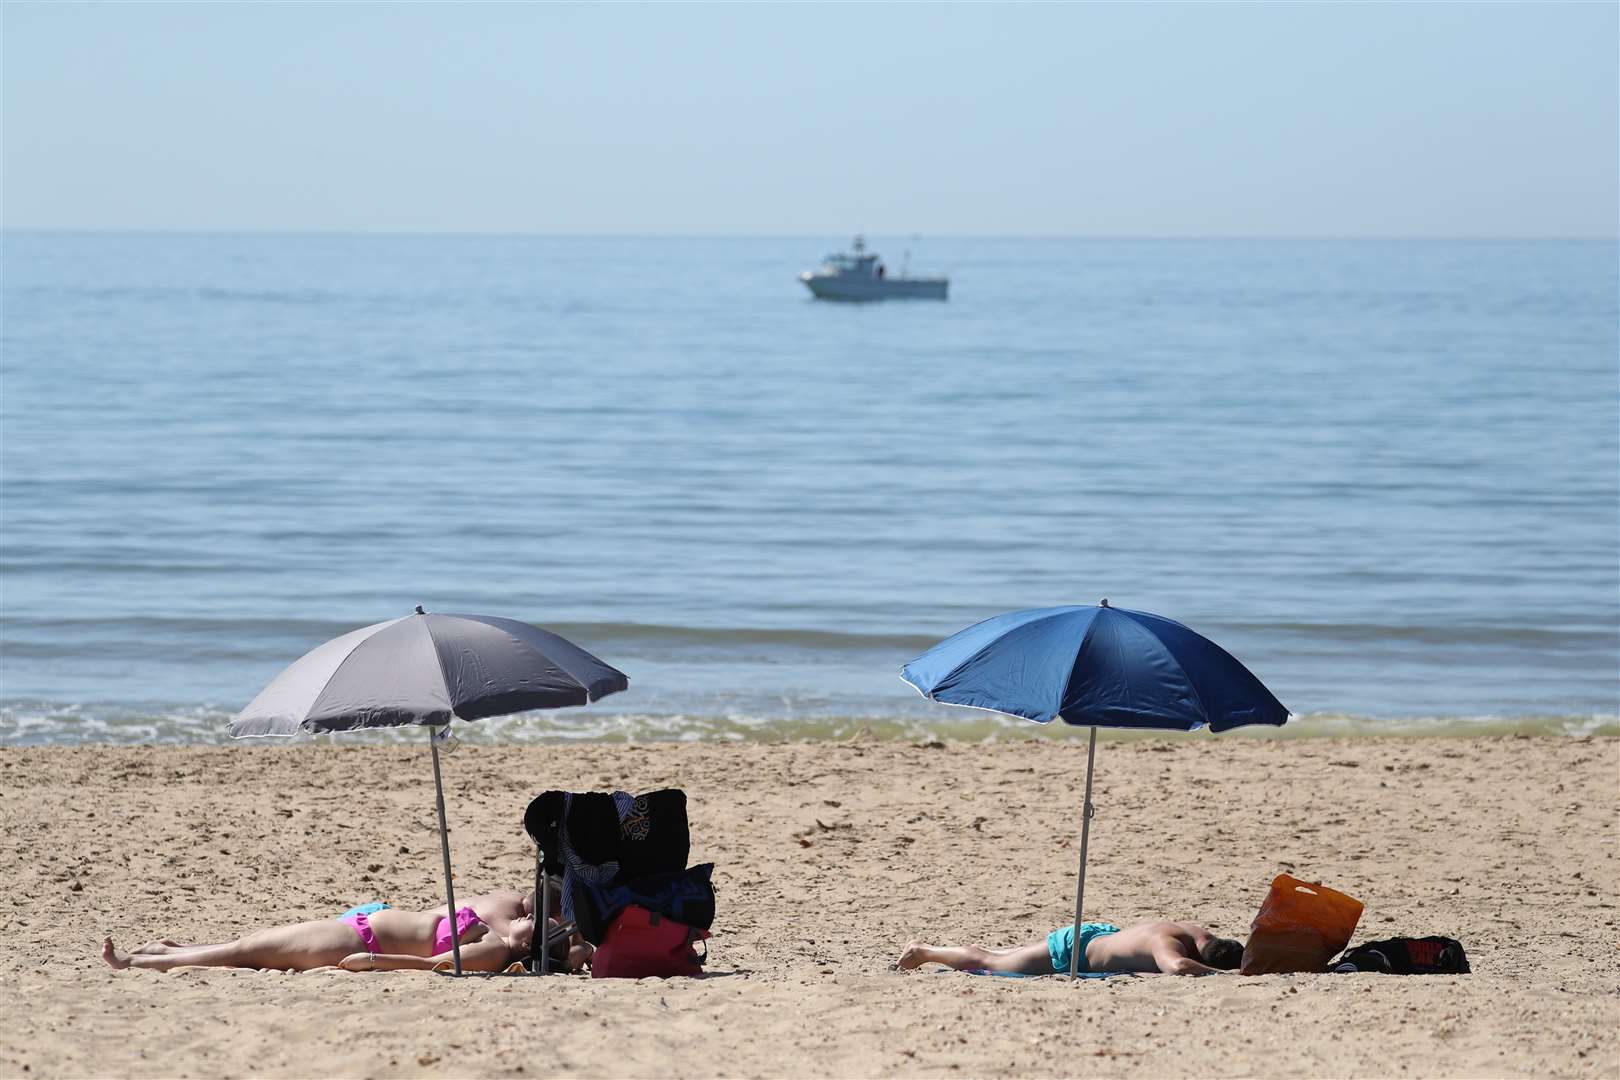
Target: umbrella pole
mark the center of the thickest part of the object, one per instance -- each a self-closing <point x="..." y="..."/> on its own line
<point x="1080" y="883"/>
<point x="539" y="908"/>
<point x="444" y="844"/>
<point x="542" y="884"/>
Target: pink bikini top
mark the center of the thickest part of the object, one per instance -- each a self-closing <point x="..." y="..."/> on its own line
<point x="466" y="919"/>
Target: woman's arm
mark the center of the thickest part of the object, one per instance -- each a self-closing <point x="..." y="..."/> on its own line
<point x="487" y="954"/>
<point x="364" y="961"/>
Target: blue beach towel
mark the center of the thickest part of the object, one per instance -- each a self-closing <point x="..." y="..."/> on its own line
<point x="365" y="909"/>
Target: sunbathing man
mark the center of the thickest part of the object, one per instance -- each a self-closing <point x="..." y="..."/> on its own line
<point x="494" y="930"/>
<point x="1174" y="948"/>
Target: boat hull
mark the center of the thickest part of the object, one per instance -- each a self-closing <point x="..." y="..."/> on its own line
<point x="846" y="287"/>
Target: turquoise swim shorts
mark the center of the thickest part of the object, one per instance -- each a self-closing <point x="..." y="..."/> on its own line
<point x="1060" y="943"/>
<point x="373" y="908"/>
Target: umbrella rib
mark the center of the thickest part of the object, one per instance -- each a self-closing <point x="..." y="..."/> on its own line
<point x="582" y="683"/>
<point x="438" y="658"/>
<point x="553" y="663"/>
<point x="979" y="708"/>
<point x="1074" y="664"/>
<point x="332" y="678"/>
<point x="1176" y="660"/>
<point x="986" y="647"/>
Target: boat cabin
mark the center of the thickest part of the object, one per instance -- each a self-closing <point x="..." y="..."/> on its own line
<point x="858" y="264"/>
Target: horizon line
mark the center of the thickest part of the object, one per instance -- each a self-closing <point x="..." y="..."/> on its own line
<point x="575" y="234"/>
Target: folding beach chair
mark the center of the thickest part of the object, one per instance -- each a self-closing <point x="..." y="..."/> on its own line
<point x="541" y="953"/>
<point x="542" y="821"/>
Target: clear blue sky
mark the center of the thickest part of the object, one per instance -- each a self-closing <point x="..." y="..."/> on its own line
<point x="1465" y="119"/>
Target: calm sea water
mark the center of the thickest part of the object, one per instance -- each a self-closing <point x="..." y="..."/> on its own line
<point x="1383" y="474"/>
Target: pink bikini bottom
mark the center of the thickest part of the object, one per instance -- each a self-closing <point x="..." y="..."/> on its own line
<point x="362" y="926"/>
<point x="466" y="919"/>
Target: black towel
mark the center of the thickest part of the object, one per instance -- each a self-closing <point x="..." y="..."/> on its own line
<point x="628" y="836"/>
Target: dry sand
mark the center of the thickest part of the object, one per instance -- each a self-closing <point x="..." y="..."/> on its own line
<point x="830" y="856"/>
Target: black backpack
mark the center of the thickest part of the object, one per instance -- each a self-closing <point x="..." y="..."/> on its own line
<point x="1406" y="956"/>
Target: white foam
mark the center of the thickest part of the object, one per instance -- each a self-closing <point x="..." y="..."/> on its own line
<point x="39" y="723"/>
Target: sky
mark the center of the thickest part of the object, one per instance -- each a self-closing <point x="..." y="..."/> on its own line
<point x="1402" y="119"/>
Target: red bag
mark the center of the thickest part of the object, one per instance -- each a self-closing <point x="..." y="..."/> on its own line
<point x="644" y="944"/>
<point x="1301" y="926"/>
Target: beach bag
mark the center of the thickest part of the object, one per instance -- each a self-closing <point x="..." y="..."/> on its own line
<point x="686" y="896"/>
<point x="1301" y="927"/>
<point x="1407" y="956"/>
<point x="643" y="944"/>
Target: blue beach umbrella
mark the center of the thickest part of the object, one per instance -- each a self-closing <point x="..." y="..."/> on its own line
<point x="1094" y="667"/>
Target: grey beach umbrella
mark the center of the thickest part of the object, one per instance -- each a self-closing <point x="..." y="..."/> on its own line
<point x="427" y="669"/>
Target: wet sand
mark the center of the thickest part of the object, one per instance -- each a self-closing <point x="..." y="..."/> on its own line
<point x="830" y="856"/>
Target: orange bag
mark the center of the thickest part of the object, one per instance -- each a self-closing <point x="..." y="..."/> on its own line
<point x="1301" y="926"/>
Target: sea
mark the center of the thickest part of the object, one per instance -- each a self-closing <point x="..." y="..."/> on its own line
<point x="1385" y="474"/>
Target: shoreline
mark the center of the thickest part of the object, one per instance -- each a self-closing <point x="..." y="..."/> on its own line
<point x="829" y="857"/>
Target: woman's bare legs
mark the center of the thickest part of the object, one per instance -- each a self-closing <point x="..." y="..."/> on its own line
<point x="296" y="948"/>
<point x="1031" y="959"/>
<point x="163" y="945"/>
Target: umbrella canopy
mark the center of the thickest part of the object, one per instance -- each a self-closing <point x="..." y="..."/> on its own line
<point x="426" y="669"/>
<point x="1094" y="667"/>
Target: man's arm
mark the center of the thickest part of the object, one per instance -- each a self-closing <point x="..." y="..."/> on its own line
<point x="1172" y="961"/>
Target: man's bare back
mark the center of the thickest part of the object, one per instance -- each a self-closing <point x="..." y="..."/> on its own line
<point x="1169" y="947"/>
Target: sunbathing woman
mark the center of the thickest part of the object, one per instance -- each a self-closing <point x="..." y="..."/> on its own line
<point x="495" y="930"/>
<point x="1173" y="948"/>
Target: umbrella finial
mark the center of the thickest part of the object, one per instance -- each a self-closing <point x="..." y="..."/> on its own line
<point x="1103" y="603"/>
<point x="419" y="610"/>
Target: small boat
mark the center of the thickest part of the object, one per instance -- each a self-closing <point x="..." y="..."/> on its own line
<point x="860" y="276"/>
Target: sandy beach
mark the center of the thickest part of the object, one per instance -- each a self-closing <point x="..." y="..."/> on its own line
<point x="829" y="856"/>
